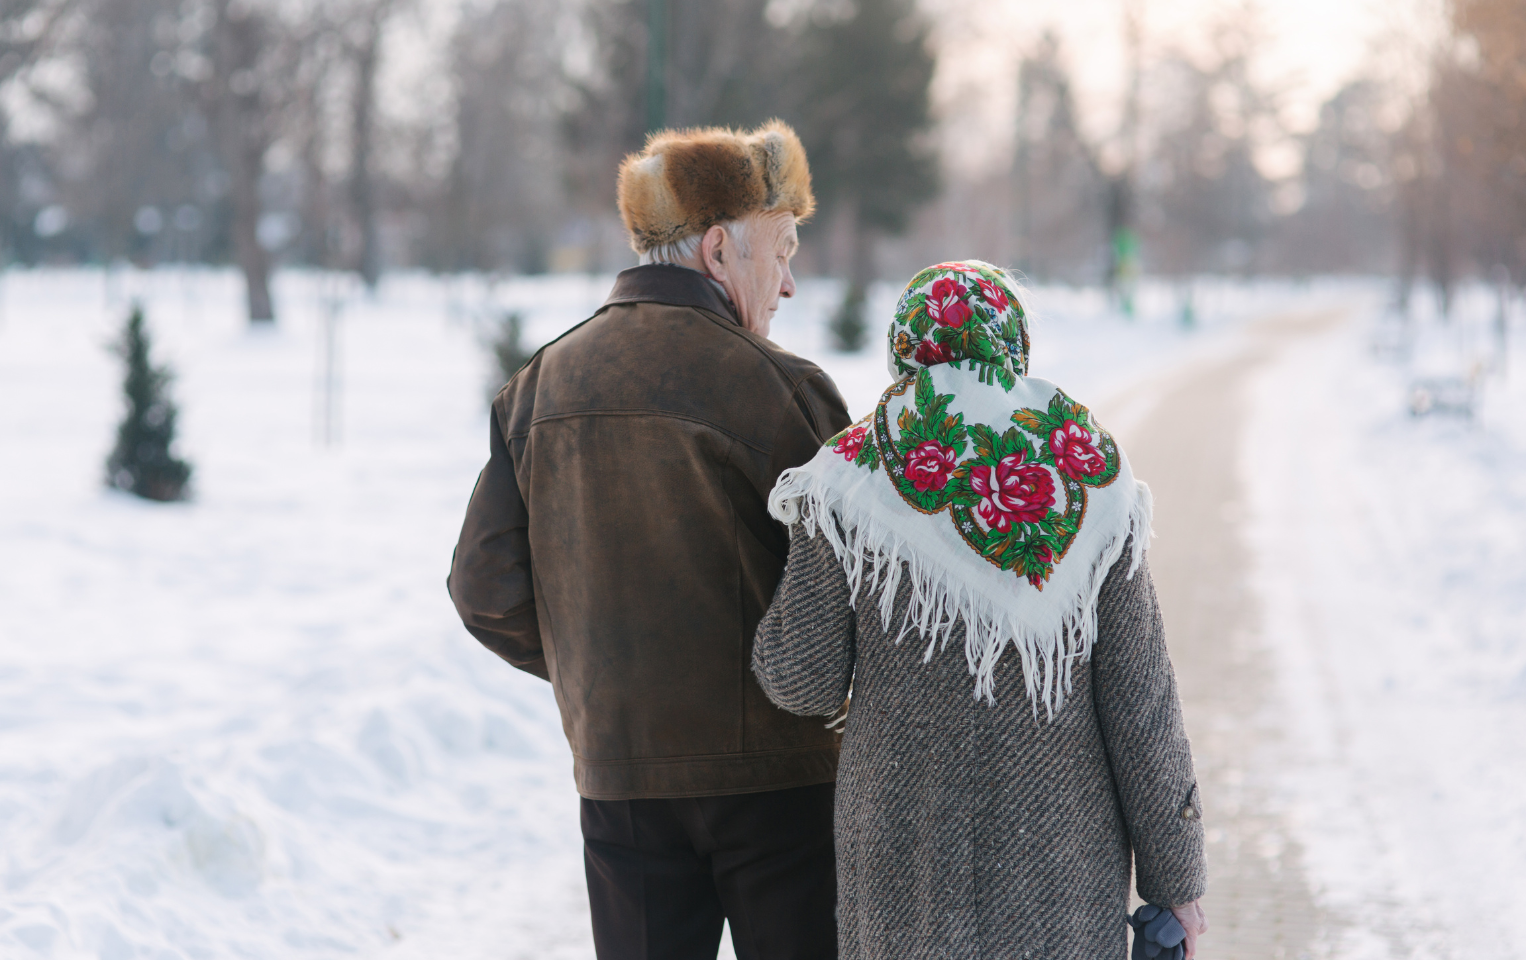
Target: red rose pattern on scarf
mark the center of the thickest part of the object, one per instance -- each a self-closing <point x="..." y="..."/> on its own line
<point x="928" y="466"/>
<point x="851" y="443"/>
<point x="962" y="314"/>
<point x="930" y="353"/>
<point x="1012" y="491"/>
<point x="946" y="303"/>
<point x="1001" y="489"/>
<point x="995" y="296"/>
<point x="1075" y="452"/>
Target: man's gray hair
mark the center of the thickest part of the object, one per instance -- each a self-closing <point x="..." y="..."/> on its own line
<point x="687" y="249"/>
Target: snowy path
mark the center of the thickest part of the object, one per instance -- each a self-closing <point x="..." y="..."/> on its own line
<point x="1184" y="444"/>
<point x="1344" y="588"/>
<point x="1391" y="567"/>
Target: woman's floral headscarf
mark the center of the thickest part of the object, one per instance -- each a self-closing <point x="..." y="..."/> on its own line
<point x="966" y="312"/>
<point x="1002" y="496"/>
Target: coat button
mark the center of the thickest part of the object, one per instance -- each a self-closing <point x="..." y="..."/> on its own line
<point x="1188" y="813"/>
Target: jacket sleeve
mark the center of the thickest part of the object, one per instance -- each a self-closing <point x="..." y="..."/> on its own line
<point x="804" y="651"/>
<point x="490" y="575"/>
<point x="816" y="412"/>
<point x="1134" y="690"/>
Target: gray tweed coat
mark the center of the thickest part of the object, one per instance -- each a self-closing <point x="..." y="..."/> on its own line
<point x="971" y="831"/>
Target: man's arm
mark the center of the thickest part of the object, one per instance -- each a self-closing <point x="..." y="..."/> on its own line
<point x="490" y="578"/>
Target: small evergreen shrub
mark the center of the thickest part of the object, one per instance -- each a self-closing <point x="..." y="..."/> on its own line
<point x="847" y="325"/>
<point x="508" y="354"/>
<point x="142" y="463"/>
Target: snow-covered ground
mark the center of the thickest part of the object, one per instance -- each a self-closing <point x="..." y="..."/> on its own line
<point x="1391" y="557"/>
<point x="251" y="725"/>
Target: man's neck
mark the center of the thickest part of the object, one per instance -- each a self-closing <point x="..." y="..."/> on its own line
<point x="697" y="267"/>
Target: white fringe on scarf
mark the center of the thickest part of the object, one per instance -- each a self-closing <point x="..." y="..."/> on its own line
<point x="873" y="556"/>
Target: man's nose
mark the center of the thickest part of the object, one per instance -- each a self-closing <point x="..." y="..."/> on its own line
<point x="787" y="288"/>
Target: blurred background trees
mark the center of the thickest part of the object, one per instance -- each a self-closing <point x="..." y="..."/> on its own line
<point x="1060" y="193"/>
<point x="864" y="115"/>
<point x="370" y="135"/>
<point x="1472" y="148"/>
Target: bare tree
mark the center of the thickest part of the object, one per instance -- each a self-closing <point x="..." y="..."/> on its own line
<point x="29" y="31"/>
<point x="245" y="52"/>
<point x="1346" y="218"/>
<point x="607" y="116"/>
<point x="1460" y="157"/>
<point x="865" y="116"/>
<point x="1208" y="206"/>
<point x="1122" y="206"/>
<point x="362" y="29"/>
<point x="505" y="191"/>
<point x="1059" y="187"/>
<point x="310" y="125"/>
<point x="139" y="147"/>
<point x="1482" y="122"/>
<point x="724" y="63"/>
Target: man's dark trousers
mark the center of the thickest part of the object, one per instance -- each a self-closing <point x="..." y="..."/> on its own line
<point x="664" y="874"/>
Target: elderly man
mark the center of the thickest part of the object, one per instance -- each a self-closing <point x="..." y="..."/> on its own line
<point x="618" y="544"/>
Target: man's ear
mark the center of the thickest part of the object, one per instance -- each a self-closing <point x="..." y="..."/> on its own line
<point x="711" y="254"/>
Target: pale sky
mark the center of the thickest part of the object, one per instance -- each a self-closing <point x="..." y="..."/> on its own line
<point x="1312" y="47"/>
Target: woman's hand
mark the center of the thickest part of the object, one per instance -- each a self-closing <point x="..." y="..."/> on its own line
<point x="1194" y="921"/>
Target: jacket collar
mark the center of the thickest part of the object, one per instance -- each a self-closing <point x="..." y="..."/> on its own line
<point x="670" y="284"/>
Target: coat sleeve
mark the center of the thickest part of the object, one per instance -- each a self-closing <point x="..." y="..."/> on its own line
<point x="804" y="651"/>
<point x="490" y="578"/>
<point x="1134" y="689"/>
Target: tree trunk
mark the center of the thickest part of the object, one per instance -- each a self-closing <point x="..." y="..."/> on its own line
<point x="240" y="114"/>
<point x="363" y="135"/>
<point x="861" y="256"/>
<point x="253" y="259"/>
<point x="1442" y="244"/>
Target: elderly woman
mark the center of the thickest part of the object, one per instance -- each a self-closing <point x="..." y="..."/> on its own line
<point x="987" y="804"/>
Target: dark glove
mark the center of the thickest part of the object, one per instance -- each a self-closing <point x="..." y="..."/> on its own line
<point x="1158" y="935"/>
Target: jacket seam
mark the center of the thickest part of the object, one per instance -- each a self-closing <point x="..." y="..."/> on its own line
<point x="642" y="412"/>
<point x="730" y="326"/>
<point x="536" y="355"/>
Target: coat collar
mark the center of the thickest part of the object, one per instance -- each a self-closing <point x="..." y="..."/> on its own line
<point x="670" y="284"/>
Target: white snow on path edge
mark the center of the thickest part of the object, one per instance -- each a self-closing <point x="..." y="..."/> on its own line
<point x="1391" y="563"/>
<point x="251" y="725"/>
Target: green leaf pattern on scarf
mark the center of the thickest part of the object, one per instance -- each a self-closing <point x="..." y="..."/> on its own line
<point x="1062" y="449"/>
<point x="966" y="315"/>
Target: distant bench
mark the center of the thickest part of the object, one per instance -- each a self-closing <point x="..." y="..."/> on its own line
<point x="1454" y="395"/>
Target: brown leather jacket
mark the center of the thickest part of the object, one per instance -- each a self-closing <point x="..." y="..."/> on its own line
<point x="618" y="542"/>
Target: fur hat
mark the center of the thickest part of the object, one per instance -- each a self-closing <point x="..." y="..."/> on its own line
<point x="686" y="181"/>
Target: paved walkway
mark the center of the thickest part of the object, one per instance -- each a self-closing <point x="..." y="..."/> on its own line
<point x="1186" y="448"/>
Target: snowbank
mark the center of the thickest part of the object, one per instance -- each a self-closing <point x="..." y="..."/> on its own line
<point x="1392" y="568"/>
